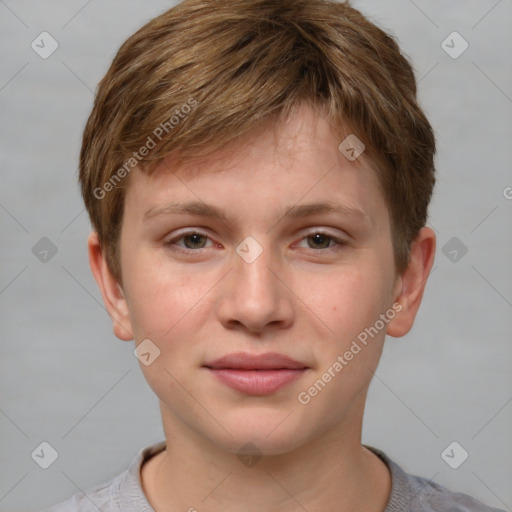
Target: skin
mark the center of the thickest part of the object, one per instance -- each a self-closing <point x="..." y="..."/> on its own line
<point x="306" y="297"/>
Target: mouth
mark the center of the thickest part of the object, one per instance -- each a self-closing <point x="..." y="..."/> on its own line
<point x="256" y="375"/>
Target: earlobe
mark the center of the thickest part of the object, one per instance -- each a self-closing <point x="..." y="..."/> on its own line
<point x="413" y="282"/>
<point x="111" y="291"/>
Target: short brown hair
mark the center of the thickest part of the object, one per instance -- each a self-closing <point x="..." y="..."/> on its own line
<point x="208" y="71"/>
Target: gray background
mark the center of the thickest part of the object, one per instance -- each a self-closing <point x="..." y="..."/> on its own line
<point x="67" y="380"/>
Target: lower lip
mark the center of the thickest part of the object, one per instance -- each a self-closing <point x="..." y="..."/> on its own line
<point x="257" y="382"/>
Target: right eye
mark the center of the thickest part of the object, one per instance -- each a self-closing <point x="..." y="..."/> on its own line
<point x="192" y="240"/>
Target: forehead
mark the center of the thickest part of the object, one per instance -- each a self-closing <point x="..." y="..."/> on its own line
<point x="294" y="160"/>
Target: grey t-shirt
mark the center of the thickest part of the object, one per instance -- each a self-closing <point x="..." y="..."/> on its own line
<point x="409" y="493"/>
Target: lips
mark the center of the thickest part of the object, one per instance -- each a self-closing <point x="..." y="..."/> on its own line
<point x="256" y="374"/>
<point x="245" y="361"/>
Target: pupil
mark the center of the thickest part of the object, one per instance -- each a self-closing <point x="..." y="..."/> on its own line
<point x="318" y="238"/>
<point x="195" y="239"/>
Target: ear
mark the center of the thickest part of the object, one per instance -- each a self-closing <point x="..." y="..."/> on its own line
<point x="411" y="284"/>
<point x="111" y="290"/>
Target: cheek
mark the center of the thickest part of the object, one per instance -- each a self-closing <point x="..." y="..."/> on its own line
<point x="347" y="357"/>
<point x="349" y="354"/>
<point x="351" y="300"/>
<point x="166" y="307"/>
<point x="162" y="296"/>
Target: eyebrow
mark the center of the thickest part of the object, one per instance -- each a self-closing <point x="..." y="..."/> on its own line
<point x="201" y="209"/>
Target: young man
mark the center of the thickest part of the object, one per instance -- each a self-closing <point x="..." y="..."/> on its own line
<point x="258" y="175"/>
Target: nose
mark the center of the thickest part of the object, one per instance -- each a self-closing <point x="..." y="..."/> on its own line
<point x="254" y="295"/>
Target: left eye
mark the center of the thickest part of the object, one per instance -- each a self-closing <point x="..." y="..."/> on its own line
<point x="321" y="240"/>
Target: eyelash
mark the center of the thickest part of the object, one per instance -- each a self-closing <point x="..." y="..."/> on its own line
<point x="172" y="243"/>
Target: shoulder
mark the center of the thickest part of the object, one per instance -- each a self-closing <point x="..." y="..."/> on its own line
<point x="122" y="493"/>
<point x="412" y="493"/>
<point x="100" y="497"/>
<point x="430" y="496"/>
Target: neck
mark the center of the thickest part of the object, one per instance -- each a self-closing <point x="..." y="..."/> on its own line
<point x="332" y="472"/>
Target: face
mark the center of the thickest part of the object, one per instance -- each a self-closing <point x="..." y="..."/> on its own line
<point x="297" y="287"/>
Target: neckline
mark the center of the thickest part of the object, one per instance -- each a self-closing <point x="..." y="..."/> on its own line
<point x="134" y="498"/>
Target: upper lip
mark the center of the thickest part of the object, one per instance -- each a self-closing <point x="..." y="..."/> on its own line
<point x="246" y="361"/>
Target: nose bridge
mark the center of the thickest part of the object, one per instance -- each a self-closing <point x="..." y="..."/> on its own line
<point x="252" y="267"/>
<point x="253" y="295"/>
<point x="252" y="272"/>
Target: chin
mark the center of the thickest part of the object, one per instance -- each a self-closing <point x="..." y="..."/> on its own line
<point x="262" y="432"/>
